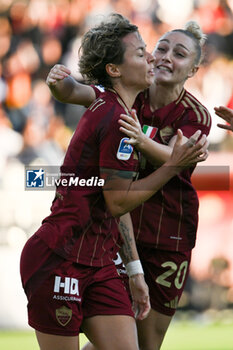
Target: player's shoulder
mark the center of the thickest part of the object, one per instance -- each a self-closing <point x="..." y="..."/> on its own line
<point x="192" y="105"/>
<point x="98" y="89"/>
<point x="106" y="110"/>
<point x="104" y="101"/>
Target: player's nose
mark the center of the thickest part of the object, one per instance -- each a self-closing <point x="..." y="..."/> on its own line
<point x="150" y="58"/>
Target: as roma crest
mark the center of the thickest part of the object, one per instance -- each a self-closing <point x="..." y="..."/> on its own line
<point x="63" y="315"/>
<point x="166" y="134"/>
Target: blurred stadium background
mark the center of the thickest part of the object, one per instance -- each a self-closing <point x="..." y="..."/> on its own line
<point x="36" y="129"/>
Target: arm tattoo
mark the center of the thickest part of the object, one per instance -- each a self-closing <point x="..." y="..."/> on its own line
<point x="126" y="250"/>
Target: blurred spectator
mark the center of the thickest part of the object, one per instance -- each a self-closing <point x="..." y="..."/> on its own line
<point x="216" y="17"/>
<point x="5" y="36"/>
<point x="11" y="142"/>
<point x="212" y="292"/>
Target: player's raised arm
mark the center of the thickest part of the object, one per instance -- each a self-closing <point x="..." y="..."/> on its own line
<point x="153" y="151"/>
<point x="66" y="89"/>
<point x="226" y="114"/>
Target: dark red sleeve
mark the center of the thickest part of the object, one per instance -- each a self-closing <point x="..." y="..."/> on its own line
<point x="194" y="120"/>
<point x="114" y="153"/>
<point x="98" y="90"/>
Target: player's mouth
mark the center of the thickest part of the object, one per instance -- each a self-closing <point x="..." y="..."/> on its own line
<point x="164" y="68"/>
<point x="151" y="72"/>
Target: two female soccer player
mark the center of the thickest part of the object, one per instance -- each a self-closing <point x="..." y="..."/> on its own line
<point x="67" y="266"/>
<point x="165" y="226"/>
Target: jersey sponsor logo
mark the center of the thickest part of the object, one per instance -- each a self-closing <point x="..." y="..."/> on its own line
<point x="63" y="315"/>
<point x="66" y="298"/>
<point x="149" y="131"/>
<point x="68" y="286"/>
<point x="124" y="150"/>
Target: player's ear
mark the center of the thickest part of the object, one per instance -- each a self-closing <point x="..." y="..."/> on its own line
<point x="113" y="70"/>
<point x="193" y="71"/>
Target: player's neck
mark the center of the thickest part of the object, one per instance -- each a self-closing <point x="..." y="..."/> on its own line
<point x="127" y="95"/>
<point x="162" y="95"/>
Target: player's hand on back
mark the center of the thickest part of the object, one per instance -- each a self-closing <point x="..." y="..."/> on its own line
<point x="57" y="73"/>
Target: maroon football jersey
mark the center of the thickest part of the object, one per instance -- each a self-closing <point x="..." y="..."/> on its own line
<point x="80" y="227"/>
<point x="169" y="219"/>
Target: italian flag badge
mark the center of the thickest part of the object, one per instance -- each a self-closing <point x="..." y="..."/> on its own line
<point x="149" y="131"/>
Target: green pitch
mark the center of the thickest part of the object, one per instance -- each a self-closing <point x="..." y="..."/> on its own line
<point x="181" y="336"/>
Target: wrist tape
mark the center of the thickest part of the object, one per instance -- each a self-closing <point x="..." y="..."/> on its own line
<point x="134" y="267"/>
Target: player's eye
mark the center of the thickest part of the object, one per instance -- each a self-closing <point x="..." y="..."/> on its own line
<point x="161" y="49"/>
<point x="179" y="54"/>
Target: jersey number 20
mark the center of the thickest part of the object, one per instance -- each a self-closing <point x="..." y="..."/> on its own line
<point x="180" y="272"/>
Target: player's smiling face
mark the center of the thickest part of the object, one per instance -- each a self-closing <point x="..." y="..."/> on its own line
<point x="174" y="58"/>
<point x="137" y="70"/>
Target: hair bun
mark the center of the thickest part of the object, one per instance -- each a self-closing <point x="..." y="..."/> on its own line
<point x="194" y="28"/>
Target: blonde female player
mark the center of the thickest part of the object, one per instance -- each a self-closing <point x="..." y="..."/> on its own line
<point x="165" y="226"/>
